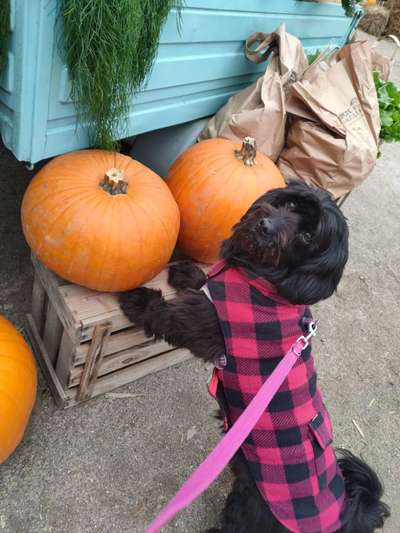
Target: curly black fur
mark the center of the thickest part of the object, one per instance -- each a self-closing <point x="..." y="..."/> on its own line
<point x="189" y="321"/>
<point x="297" y="239"/>
<point x="246" y="512"/>
<point x="185" y="275"/>
<point x="365" y="490"/>
<point x="303" y="258"/>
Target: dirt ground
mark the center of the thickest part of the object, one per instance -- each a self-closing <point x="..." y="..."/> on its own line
<point x="109" y="465"/>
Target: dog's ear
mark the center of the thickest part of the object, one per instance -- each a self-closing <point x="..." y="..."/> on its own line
<point x="309" y="284"/>
<point x="318" y="277"/>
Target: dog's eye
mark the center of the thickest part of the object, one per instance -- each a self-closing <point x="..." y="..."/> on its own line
<point x="305" y="237"/>
<point x="290" y="205"/>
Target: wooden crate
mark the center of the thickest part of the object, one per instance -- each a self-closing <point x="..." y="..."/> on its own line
<point x="83" y="342"/>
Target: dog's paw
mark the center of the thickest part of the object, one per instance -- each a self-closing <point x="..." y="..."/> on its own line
<point x="186" y="275"/>
<point x="134" y="303"/>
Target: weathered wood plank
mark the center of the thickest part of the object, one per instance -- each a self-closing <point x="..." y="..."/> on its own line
<point x="93" y="361"/>
<point x="86" y="303"/>
<point x="122" y="359"/>
<point x="44" y="362"/>
<point x="38" y="304"/>
<point x="65" y="359"/>
<point x="91" y="308"/>
<point x="132" y="373"/>
<point x="118" y="320"/>
<point x="51" y="284"/>
<point x="52" y="332"/>
<point x="92" y="305"/>
<point x="122" y="340"/>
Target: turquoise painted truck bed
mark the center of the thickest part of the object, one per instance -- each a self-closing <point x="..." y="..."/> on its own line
<point x="194" y="74"/>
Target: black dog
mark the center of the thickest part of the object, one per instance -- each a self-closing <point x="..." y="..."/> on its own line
<point x="295" y="240"/>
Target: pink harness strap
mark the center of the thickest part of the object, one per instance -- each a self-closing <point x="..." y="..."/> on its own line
<point x="220" y="456"/>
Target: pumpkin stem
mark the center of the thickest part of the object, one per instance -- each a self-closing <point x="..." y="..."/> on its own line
<point x="248" y="152"/>
<point x="113" y="182"/>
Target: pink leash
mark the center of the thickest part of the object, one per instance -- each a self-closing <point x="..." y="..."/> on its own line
<point x="216" y="461"/>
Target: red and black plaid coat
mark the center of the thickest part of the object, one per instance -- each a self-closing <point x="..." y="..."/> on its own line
<point x="289" y="450"/>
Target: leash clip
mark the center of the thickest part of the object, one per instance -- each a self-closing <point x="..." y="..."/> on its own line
<point x="305" y="339"/>
<point x="220" y="362"/>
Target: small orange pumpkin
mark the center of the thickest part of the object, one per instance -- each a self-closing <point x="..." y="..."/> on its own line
<point x="214" y="183"/>
<point x="18" y="381"/>
<point x="100" y="219"/>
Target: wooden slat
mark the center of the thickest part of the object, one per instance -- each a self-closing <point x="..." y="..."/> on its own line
<point x="51" y="284"/>
<point x="305" y="19"/>
<point x="65" y="358"/>
<point x="132" y="373"/>
<point x="89" y="305"/>
<point x="52" y="332"/>
<point x="91" y="308"/>
<point x="282" y="7"/>
<point x="118" y="321"/>
<point x="81" y="309"/>
<point x="122" y="359"/>
<point x="44" y="362"/>
<point x="93" y="361"/>
<point x="122" y="340"/>
<point x="38" y="304"/>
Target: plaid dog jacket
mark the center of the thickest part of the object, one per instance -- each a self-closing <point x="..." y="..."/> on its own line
<point x="289" y="451"/>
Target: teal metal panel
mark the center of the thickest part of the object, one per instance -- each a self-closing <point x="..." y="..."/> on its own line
<point x="194" y="74"/>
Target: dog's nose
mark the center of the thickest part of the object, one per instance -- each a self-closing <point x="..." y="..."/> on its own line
<point x="266" y="225"/>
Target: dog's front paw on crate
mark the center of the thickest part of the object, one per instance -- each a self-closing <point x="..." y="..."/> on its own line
<point x="134" y="303"/>
<point x="186" y="275"/>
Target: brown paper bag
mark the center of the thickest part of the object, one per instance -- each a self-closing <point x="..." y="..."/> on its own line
<point x="384" y="64"/>
<point x="260" y="109"/>
<point x="380" y="62"/>
<point x="333" y="139"/>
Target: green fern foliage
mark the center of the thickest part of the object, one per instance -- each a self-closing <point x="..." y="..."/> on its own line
<point x="109" y="47"/>
<point x="349" y="6"/>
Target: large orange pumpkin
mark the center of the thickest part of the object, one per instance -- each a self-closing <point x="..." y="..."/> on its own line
<point x="18" y="380"/>
<point x="100" y="219"/>
<point x="214" y="183"/>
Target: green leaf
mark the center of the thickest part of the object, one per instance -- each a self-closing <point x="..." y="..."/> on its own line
<point x="384" y="98"/>
<point x="394" y="93"/>
<point x="377" y="79"/>
<point x="389" y="107"/>
<point x="386" y="119"/>
<point x="349" y="5"/>
<point x="313" y="56"/>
